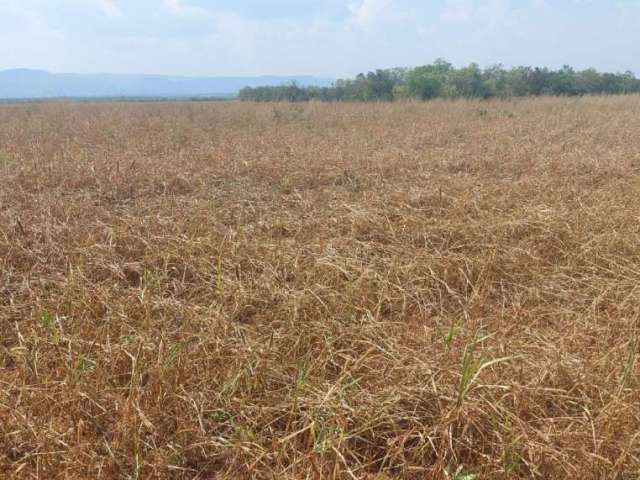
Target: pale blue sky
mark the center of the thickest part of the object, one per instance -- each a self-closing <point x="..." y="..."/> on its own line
<point x="319" y="37"/>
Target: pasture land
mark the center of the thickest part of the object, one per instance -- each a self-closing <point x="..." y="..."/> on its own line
<point x="341" y="291"/>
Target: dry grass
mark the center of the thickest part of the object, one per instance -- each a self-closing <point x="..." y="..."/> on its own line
<point x="324" y="291"/>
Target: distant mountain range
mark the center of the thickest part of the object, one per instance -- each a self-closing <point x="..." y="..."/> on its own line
<point x="25" y="84"/>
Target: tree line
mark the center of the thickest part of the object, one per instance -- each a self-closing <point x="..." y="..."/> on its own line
<point x="442" y="80"/>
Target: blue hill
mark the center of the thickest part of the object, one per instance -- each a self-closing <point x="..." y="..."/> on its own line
<point x="24" y="84"/>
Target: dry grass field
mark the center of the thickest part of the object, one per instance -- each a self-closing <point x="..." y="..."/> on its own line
<point x="448" y="290"/>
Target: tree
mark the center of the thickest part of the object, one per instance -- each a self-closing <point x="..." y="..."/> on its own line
<point x="467" y="82"/>
<point x="441" y="79"/>
<point x="425" y="82"/>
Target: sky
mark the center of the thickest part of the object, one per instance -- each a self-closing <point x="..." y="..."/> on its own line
<point x="328" y="38"/>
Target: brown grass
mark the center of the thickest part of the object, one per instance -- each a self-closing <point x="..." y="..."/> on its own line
<point x="323" y="291"/>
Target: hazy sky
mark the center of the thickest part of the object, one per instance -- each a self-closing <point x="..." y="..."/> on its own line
<point x="320" y="37"/>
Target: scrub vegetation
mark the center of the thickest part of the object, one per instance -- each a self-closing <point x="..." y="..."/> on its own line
<point x="442" y="80"/>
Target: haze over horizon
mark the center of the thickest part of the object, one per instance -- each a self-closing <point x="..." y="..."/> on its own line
<point x="325" y="38"/>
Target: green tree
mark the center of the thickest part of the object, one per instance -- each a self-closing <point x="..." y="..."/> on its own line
<point x="425" y="82"/>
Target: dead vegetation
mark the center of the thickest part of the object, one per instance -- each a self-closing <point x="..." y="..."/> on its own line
<point x="447" y="290"/>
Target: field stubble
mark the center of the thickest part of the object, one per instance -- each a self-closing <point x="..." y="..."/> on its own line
<point x="439" y="290"/>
